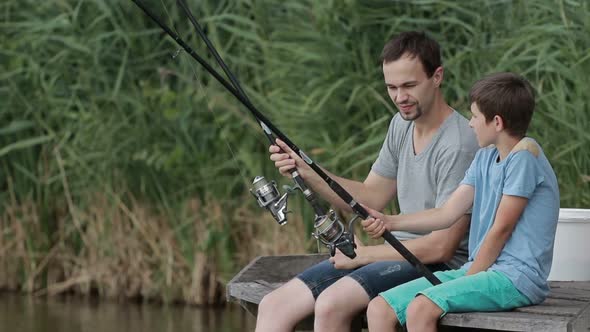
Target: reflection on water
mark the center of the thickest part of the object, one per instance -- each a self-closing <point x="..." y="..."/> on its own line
<point x="19" y="313"/>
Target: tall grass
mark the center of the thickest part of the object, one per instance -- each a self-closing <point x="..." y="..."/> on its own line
<point x="124" y="167"/>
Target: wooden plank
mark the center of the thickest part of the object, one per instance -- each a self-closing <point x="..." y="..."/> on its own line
<point x="579" y="285"/>
<point x="507" y="321"/>
<point x="249" y="291"/>
<point x="277" y="268"/>
<point x="569" y="294"/>
<point x="582" y="321"/>
<point x="267" y="273"/>
<point x="567" y="307"/>
<point x="555" y="307"/>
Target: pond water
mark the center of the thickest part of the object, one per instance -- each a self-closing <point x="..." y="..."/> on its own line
<point x="20" y="313"/>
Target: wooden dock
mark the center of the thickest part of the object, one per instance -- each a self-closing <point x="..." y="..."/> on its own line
<point x="566" y="309"/>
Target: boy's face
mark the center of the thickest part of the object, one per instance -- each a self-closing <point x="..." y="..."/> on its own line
<point x="409" y="87"/>
<point x="485" y="132"/>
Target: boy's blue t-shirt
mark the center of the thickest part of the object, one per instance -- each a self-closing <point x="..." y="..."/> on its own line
<point x="527" y="255"/>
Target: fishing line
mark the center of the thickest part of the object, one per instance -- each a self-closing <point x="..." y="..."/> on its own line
<point x="216" y="121"/>
<point x="327" y="220"/>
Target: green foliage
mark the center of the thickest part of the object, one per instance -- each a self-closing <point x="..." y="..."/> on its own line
<point x="97" y="85"/>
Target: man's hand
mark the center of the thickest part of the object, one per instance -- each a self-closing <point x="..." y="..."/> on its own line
<point x="286" y="159"/>
<point x="374" y="225"/>
<point x="342" y="262"/>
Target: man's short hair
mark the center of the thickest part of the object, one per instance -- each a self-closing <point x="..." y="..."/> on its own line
<point x="507" y="95"/>
<point x="414" y="44"/>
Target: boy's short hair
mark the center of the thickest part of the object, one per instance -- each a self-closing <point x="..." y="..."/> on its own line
<point x="507" y="95"/>
<point x="415" y="44"/>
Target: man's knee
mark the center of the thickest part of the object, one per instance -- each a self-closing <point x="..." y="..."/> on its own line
<point x="269" y="302"/>
<point x="332" y="303"/>
<point x="326" y="305"/>
<point x="344" y="298"/>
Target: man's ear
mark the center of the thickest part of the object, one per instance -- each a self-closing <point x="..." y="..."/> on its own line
<point x="438" y="76"/>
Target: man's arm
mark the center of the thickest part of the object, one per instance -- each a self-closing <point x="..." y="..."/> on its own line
<point x="509" y="211"/>
<point x="376" y="191"/>
<point x="436" y="247"/>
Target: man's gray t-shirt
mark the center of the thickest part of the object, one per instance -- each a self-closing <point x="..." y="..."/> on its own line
<point x="427" y="180"/>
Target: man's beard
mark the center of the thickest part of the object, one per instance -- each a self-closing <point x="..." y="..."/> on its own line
<point x="411" y="117"/>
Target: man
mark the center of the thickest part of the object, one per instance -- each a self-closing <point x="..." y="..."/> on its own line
<point x="425" y="155"/>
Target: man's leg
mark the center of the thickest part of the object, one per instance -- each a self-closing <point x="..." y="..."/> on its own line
<point x="284" y="307"/>
<point x="339" y="304"/>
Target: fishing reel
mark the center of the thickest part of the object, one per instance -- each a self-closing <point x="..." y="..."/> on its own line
<point x="328" y="228"/>
<point x="330" y="231"/>
<point x="267" y="195"/>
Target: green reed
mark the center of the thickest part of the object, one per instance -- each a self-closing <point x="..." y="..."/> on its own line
<point x="124" y="167"/>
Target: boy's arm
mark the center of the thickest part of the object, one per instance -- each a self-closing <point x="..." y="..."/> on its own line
<point x="424" y="221"/>
<point x="507" y="215"/>
<point x="436" y="247"/>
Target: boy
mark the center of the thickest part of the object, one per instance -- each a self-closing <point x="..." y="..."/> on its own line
<point x="514" y="197"/>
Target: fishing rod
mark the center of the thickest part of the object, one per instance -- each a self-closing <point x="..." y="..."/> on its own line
<point x="330" y="229"/>
<point x="277" y="206"/>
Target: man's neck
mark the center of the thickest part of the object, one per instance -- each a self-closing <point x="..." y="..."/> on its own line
<point x="433" y="119"/>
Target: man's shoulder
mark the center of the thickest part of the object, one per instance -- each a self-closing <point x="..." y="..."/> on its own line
<point x="457" y="123"/>
<point x="457" y="135"/>
<point x="399" y="127"/>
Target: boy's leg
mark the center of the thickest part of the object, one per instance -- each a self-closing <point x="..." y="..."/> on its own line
<point x="423" y="315"/>
<point x="483" y="291"/>
<point x="380" y="316"/>
<point x="399" y="298"/>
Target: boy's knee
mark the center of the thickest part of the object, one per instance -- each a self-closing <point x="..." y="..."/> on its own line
<point x="379" y="309"/>
<point x="422" y="308"/>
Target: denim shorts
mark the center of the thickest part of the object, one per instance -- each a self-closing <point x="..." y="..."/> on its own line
<point x="484" y="291"/>
<point x="374" y="278"/>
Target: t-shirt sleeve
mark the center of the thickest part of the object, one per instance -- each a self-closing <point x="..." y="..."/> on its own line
<point x="450" y="169"/>
<point x="471" y="173"/>
<point x="523" y="175"/>
<point x="388" y="160"/>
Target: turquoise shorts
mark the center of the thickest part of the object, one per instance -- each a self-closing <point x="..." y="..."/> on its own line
<point x="483" y="291"/>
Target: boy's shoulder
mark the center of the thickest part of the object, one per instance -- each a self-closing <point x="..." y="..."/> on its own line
<point x="529" y="145"/>
<point x="525" y="147"/>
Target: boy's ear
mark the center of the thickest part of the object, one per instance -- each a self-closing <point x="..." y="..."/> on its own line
<point x="498" y="123"/>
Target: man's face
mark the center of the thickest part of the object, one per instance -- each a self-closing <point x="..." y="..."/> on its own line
<point x="484" y="131"/>
<point x="409" y="87"/>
